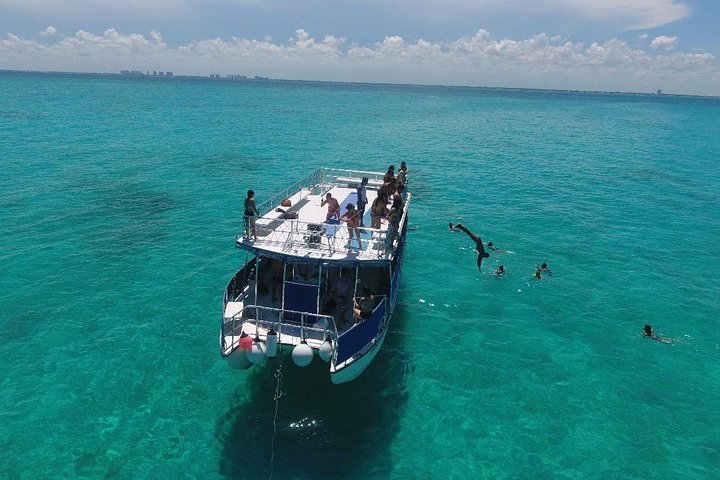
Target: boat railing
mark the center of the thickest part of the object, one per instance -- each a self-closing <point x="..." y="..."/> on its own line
<point x="339" y="176"/>
<point x="305" y="324"/>
<point x="318" y="236"/>
<point x="270" y="204"/>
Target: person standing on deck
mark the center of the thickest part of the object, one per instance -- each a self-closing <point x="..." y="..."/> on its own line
<point x="401" y="178"/>
<point x="250" y="215"/>
<point x="352" y="217"/>
<point x="333" y="207"/>
<point x="362" y="200"/>
<point x="478" y="243"/>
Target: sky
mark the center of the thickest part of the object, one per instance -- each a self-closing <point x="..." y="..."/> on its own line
<point x="607" y="45"/>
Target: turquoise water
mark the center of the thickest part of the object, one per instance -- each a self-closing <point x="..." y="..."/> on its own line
<point x="119" y="202"/>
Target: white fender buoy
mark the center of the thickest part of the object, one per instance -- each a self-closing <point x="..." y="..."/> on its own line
<point x="238" y="359"/>
<point x="271" y="344"/>
<point x="326" y="350"/>
<point x="302" y="354"/>
<point x="256" y="352"/>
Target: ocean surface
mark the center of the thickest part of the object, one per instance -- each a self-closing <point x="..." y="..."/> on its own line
<point x="119" y="202"/>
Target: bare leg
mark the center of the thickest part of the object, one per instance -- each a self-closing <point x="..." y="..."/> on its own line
<point x="475" y="238"/>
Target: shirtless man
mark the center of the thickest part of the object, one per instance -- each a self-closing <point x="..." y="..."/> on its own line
<point x="478" y="242"/>
<point x="333" y="206"/>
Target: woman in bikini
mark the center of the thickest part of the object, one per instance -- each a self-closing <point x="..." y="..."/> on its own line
<point x="378" y="210"/>
<point x="352" y="217"/>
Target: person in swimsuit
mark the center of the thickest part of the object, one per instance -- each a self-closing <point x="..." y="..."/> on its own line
<point x="479" y="246"/>
<point x="390" y="175"/>
<point x="340" y="293"/>
<point x="401" y="178"/>
<point x="364" y="305"/>
<point x="250" y="215"/>
<point x="500" y="271"/>
<point x="378" y="210"/>
<point x="538" y="274"/>
<point x="394" y="218"/>
<point x="352" y="217"/>
<point x="333" y="207"/>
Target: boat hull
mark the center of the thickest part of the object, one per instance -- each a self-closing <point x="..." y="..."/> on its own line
<point x="356" y="368"/>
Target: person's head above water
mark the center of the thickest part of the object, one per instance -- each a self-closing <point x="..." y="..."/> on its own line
<point x="544" y="266"/>
<point x="647" y="330"/>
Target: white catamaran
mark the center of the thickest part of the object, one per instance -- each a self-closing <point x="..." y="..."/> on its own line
<point x="307" y="286"/>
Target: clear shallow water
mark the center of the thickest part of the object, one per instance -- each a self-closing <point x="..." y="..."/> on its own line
<point x="119" y="202"/>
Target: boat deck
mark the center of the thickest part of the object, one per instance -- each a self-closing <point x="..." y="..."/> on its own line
<point x="311" y="236"/>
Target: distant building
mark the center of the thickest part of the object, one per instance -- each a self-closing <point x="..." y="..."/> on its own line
<point x="659" y="92"/>
<point x="169" y="74"/>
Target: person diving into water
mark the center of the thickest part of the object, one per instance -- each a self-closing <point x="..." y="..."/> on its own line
<point x="479" y="246"/>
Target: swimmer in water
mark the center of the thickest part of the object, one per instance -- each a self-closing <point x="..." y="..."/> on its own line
<point x="538" y="274"/>
<point x="491" y="246"/>
<point x="545" y="268"/>
<point x="500" y="271"/>
<point x="478" y="242"/>
<point x="648" y="333"/>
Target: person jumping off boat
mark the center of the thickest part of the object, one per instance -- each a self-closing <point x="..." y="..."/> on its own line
<point x="479" y="246"/>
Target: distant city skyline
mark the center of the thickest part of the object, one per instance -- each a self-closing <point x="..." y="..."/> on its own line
<point x="606" y="45"/>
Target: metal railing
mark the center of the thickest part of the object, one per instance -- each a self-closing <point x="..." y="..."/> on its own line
<point x="321" y="237"/>
<point x="270" y="317"/>
<point x="310" y="181"/>
<point x="291" y="234"/>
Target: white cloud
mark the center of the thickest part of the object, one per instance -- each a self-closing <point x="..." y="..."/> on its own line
<point x="49" y="31"/>
<point x="542" y="61"/>
<point x="644" y="36"/>
<point x="637" y="14"/>
<point x="664" y="42"/>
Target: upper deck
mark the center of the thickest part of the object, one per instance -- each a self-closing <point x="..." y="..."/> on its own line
<point x="309" y="237"/>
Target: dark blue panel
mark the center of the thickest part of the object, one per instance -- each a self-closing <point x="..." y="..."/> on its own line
<point x="354" y="340"/>
<point x="300" y="297"/>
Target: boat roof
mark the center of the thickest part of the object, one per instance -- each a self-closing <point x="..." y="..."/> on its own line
<point x="310" y="238"/>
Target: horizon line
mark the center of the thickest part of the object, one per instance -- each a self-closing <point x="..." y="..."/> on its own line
<point x="336" y="82"/>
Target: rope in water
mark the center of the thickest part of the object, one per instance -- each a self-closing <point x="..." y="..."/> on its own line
<point x="276" y="397"/>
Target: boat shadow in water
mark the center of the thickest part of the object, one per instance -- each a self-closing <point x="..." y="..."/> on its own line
<point x="323" y="430"/>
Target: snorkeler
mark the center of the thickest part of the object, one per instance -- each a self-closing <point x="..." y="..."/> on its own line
<point x="500" y="271"/>
<point x="545" y="268"/>
<point x="648" y="333"/>
<point x="478" y="242"/>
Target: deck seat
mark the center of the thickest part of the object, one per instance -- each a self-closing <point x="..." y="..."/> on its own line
<point x="233" y="308"/>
